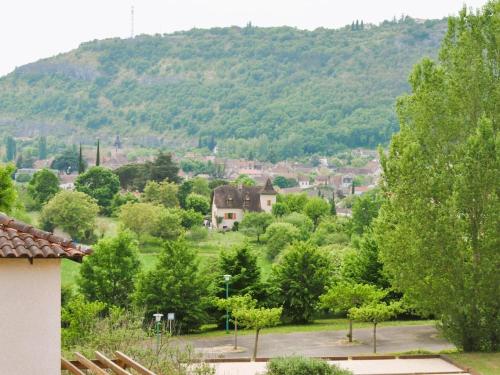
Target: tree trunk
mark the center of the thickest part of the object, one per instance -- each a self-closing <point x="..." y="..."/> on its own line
<point x="374" y="337"/>
<point x="255" y="345"/>
<point x="235" y="334"/>
<point x="350" y="330"/>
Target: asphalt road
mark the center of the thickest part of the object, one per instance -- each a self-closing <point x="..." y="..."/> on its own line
<point x="327" y="343"/>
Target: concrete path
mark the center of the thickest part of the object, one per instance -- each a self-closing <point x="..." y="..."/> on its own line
<point x="327" y="343"/>
<point x="433" y="366"/>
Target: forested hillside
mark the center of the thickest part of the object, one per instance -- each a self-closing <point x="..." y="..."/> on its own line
<point x="269" y="93"/>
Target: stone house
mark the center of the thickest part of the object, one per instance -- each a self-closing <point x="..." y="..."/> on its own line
<point x="230" y="203"/>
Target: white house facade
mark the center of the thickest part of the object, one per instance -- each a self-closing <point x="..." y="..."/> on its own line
<point x="230" y="203"/>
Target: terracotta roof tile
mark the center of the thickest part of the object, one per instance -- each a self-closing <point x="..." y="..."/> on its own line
<point x="20" y="240"/>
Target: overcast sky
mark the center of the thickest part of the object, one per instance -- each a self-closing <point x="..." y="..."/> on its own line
<point x="33" y="29"/>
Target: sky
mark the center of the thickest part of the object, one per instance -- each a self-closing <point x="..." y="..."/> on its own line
<point x="34" y="29"/>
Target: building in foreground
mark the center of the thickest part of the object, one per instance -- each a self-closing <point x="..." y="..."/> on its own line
<point x="30" y="295"/>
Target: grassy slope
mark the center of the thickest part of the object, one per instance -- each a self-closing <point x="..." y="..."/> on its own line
<point x="207" y="249"/>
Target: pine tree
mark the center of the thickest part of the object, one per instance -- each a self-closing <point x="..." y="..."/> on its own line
<point x="42" y="148"/>
<point x="81" y="163"/>
<point x="98" y="155"/>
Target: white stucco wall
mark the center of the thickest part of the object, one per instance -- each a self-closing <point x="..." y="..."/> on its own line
<point x="225" y="222"/>
<point x="263" y="202"/>
<point x="30" y="309"/>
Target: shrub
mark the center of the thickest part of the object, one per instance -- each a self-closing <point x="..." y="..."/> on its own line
<point x="197" y="234"/>
<point x="302" y="366"/>
<point x="278" y="236"/>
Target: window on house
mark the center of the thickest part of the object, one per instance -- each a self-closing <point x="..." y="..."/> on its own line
<point x="230" y="216"/>
<point x="268" y="202"/>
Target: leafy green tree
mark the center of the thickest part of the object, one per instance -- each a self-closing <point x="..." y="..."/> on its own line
<point x="42" y="148"/>
<point x="235" y="304"/>
<point x="255" y="223"/>
<point x="200" y="186"/>
<point x="363" y="264"/>
<point x="164" y="193"/>
<point x="364" y="209"/>
<point x="284" y="182"/>
<point x="316" y="208"/>
<point x="279" y="209"/>
<point x="294" y="202"/>
<point x="302" y="222"/>
<point x="8" y="193"/>
<point x="344" y="296"/>
<point x="72" y="211"/>
<point x="332" y="230"/>
<point x="132" y="176"/>
<point x="43" y="186"/>
<point x="375" y="313"/>
<point x="301" y="275"/>
<point x="278" y="236"/>
<point x="101" y="184"/>
<point x="241" y="264"/>
<point x="174" y="285"/>
<point x="120" y="200"/>
<point x="198" y="203"/>
<point x="257" y="319"/>
<point x="163" y="168"/>
<point x="244" y="180"/>
<point x="140" y="218"/>
<point x="167" y="225"/>
<point x="68" y="161"/>
<point x="109" y="274"/>
<point x="438" y="232"/>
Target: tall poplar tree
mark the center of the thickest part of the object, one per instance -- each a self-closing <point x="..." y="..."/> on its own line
<point x="438" y="229"/>
<point x="42" y="148"/>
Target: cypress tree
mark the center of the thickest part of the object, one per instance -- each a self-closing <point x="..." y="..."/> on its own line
<point x="352" y="188"/>
<point x="98" y="155"/>
<point x="333" y="209"/>
<point x="42" y="148"/>
<point x="81" y="164"/>
<point x="10" y="145"/>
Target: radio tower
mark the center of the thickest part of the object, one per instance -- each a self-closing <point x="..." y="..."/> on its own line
<point x="132" y="22"/>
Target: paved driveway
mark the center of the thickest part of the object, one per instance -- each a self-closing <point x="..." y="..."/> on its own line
<point x="326" y="343"/>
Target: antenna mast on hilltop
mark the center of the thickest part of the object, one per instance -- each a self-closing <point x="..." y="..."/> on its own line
<point x="132" y="22"/>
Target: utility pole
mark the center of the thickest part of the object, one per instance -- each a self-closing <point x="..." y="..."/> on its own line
<point x="132" y="22"/>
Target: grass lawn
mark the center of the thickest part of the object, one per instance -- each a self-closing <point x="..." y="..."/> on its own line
<point x="484" y="363"/>
<point x="208" y="248"/>
<point x="316" y="326"/>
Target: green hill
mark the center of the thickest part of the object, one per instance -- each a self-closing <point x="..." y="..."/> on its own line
<point x="269" y="93"/>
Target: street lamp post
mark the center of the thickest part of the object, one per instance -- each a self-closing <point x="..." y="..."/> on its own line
<point x="158" y="317"/>
<point x="226" y="280"/>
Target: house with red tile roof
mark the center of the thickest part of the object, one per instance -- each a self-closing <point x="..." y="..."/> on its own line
<point x="30" y="295"/>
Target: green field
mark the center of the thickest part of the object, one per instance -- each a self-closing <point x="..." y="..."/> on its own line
<point x="338" y="324"/>
<point x="208" y="248"/>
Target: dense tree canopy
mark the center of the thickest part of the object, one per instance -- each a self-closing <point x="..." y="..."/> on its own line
<point x="101" y="184"/>
<point x="438" y="229"/>
<point x="43" y="185"/>
<point x="258" y="93"/>
<point x="8" y="194"/>
<point x="109" y="274"/>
